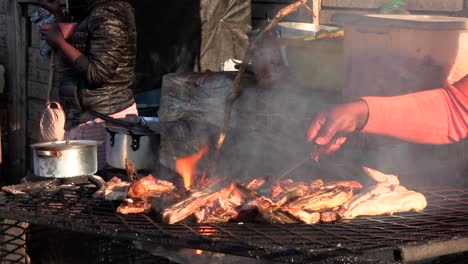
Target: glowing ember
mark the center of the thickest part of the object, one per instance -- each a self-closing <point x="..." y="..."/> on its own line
<point x="222" y="136"/>
<point x="199" y="252"/>
<point x="187" y="166"/>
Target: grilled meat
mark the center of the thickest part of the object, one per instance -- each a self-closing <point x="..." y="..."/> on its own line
<point x="273" y="213"/>
<point x="286" y="186"/>
<point x="148" y="187"/>
<point x="326" y="198"/>
<point x="386" y="197"/>
<point x="131" y="170"/>
<point x="115" y="190"/>
<point x="254" y="184"/>
<point x="197" y="199"/>
<point x="219" y="211"/>
<point x="303" y="215"/>
<point x="130" y="206"/>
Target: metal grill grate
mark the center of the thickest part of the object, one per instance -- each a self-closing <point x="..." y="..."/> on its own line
<point x="445" y="219"/>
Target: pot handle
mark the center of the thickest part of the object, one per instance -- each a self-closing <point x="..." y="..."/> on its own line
<point x="49" y="153"/>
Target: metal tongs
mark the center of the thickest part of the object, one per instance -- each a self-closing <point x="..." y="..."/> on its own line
<point x="314" y="156"/>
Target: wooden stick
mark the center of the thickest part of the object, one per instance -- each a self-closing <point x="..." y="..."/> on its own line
<point x="317" y="6"/>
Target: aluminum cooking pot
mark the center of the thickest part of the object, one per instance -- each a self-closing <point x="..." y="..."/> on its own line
<point x="64" y="159"/>
<point x="140" y="147"/>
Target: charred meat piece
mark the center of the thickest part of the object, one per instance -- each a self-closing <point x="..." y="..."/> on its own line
<point x="131" y="170"/>
<point x="115" y="189"/>
<point x="254" y="184"/>
<point x="133" y="207"/>
<point x="225" y="208"/>
<point x="197" y="199"/>
<point x="165" y="200"/>
<point x="219" y="211"/>
<point x="303" y="215"/>
<point x="329" y="217"/>
<point x="326" y="198"/>
<point x="351" y="184"/>
<point x="286" y="186"/>
<point x="273" y="213"/>
<point x="148" y="187"/>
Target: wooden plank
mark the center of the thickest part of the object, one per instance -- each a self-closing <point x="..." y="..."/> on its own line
<point x="36" y="60"/>
<point x="35" y="36"/>
<point x="34" y="132"/>
<point x="3" y="21"/>
<point x="424" y="5"/>
<point x="3" y="38"/>
<point x="38" y="75"/>
<point x="30" y="9"/>
<point x="37" y="90"/>
<point x="3" y="56"/>
<point x="17" y="75"/>
<point x="4" y="6"/>
<point x="36" y="108"/>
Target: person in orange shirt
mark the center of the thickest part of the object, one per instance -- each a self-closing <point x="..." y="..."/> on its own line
<point x="438" y="116"/>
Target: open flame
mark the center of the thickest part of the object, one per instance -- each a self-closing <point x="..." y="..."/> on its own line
<point x="187" y="166"/>
<point x="221" y="138"/>
<point x="198" y="252"/>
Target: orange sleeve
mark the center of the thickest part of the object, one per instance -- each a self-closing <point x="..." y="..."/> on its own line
<point x="437" y="116"/>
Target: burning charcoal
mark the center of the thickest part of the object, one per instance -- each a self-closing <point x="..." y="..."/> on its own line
<point x="115" y="189"/>
<point x="129" y="206"/>
<point x="149" y="187"/>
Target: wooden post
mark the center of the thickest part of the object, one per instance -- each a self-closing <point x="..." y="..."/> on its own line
<point x="316" y="7"/>
<point x="16" y="84"/>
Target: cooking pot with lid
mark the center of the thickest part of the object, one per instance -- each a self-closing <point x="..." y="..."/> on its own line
<point x="138" y="145"/>
<point x="64" y="159"/>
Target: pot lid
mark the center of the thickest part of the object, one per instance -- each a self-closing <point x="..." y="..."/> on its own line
<point x="404" y="21"/>
<point x="62" y="145"/>
<point x="143" y="125"/>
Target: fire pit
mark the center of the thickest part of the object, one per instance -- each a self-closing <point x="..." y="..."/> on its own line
<point x="441" y="229"/>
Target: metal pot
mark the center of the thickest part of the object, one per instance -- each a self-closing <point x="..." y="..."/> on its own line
<point x="65" y="159"/>
<point x="140" y="147"/>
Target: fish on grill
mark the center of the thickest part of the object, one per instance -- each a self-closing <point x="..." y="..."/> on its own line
<point x="386" y="197"/>
<point x="115" y="189"/>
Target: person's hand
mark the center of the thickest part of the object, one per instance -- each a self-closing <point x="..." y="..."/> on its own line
<point x="329" y="129"/>
<point x="52" y="34"/>
<point x="52" y="6"/>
